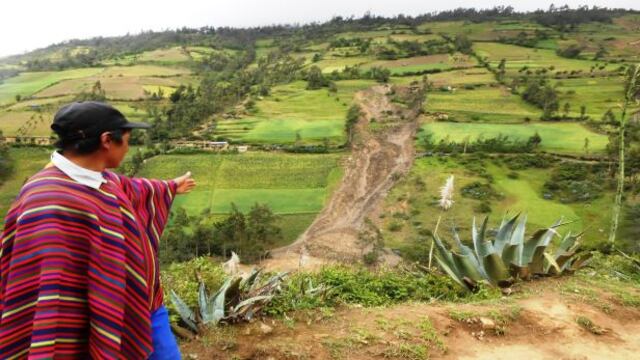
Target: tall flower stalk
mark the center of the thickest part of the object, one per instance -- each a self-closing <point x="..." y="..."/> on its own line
<point x="446" y="201"/>
<point x="632" y="90"/>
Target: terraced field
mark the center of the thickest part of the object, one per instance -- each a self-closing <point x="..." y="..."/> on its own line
<point x="483" y="104"/>
<point x="29" y="83"/>
<point x="292" y="113"/>
<point x="562" y="137"/>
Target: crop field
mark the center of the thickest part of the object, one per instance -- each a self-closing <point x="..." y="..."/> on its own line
<point x="26" y="122"/>
<point x="174" y="55"/>
<point x="485" y="104"/>
<point x="290" y="184"/>
<point x="518" y="57"/>
<point x="415" y="199"/>
<point x="453" y="78"/>
<point x="28" y="83"/>
<point x="292" y="111"/>
<point x="597" y="95"/>
<point x="116" y="87"/>
<point x="423" y="63"/>
<point x="330" y="64"/>
<point x="485" y="31"/>
<point x="562" y="137"/>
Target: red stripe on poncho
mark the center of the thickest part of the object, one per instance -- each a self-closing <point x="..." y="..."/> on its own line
<point x="78" y="267"/>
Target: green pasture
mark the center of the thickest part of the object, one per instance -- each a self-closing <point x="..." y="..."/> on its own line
<point x="28" y="83"/>
<point x="518" y="57"/>
<point x="453" y="78"/>
<point x="289" y="184"/>
<point x="414" y="208"/>
<point x="291" y="111"/>
<point x="27" y="162"/>
<point x="169" y="56"/>
<point x="597" y="95"/>
<point x="329" y="64"/>
<point x="425" y="63"/>
<point x="483" y="104"/>
<point x="484" y="31"/>
<point x="561" y="137"/>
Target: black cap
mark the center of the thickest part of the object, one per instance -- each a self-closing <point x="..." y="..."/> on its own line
<point x="87" y="119"/>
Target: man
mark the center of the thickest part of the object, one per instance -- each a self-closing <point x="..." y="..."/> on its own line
<point x="78" y="261"/>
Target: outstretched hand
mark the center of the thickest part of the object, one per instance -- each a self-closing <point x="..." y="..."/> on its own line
<point x="185" y="183"/>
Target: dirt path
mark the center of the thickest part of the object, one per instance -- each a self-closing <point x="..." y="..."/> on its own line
<point x="382" y="150"/>
<point x="541" y="323"/>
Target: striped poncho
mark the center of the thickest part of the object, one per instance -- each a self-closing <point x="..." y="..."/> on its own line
<point x="78" y="267"/>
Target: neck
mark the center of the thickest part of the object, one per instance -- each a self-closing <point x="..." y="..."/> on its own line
<point x="91" y="161"/>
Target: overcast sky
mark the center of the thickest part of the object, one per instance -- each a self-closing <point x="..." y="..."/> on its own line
<point x="28" y="24"/>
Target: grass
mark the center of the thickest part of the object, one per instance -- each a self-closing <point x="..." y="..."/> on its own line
<point x="424" y="63"/>
<point x="25" y="123"/>
<point x="563" y="137"/>
<point x="486" y="104"/>
<point x="169" y="56"/>
<point x="28" y="161"/>
<point x="413" y="204"/>
<point x="597" y="95"/>
<point x="289" y="184"/>
<point x="126" y="87"/>
<point x="291" y="110"/>
<point x="29" y="83"/>
<point x="517" y="57"/>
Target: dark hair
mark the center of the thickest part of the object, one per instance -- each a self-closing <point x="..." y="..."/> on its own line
<point x="87" y="146"/>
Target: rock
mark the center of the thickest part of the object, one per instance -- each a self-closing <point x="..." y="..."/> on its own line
<point x="266" y="329"/>
<point x="487" y="324"/>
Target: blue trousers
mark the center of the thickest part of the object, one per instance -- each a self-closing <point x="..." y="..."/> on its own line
<point x="165" y="346"/>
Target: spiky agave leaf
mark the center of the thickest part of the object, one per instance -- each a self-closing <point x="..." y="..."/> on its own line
<point x="504" y="233"/>
<point x="474" y="269"/>
<point x="512" y="254"/>
<point x="186" y="314"/>
<point x="206" y="312"/>
<point x="250" y="281"/>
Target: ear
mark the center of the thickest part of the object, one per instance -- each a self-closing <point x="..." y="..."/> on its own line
<point x="105" y="140"/>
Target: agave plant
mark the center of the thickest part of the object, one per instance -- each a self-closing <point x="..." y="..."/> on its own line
<point x="509" y="256"/>
<point x="238" y="299"/>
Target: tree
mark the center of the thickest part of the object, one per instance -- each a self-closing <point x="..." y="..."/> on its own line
<point x="463" y="44"/>
<point x="502" y="69"/>
<point x="583" y="112"/>
<point x="566" y="109"/>
<point x="315" y="78"/>
<point x="586" y="145"/>
<point x="534" y="140"/>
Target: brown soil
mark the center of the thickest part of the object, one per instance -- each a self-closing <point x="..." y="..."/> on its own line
<point x="540" y="326"/>
<point x="382" y="150"/>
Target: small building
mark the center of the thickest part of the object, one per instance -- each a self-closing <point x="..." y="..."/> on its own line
<point x="28" y="140"/>
<point x="203" y="145"/>
<point x="242" y="148"/>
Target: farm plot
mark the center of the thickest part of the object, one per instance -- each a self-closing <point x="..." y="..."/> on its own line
<point x="289" y="184"/>
<point x="597" y="95"/>
<point x="124" y="85"/>
<point x="563" y="137"/>
<point x="518" y="57"/>
<point x="454" y="78"/>
<point x="425" y="63"/>
<point x="330" y="63"/>
<point x="170" y="56"/>
<point x="28" y="83"/>
<point x="485" y="104"/>
<point x="26" y="122"/>
<point x="292" y="114"/>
